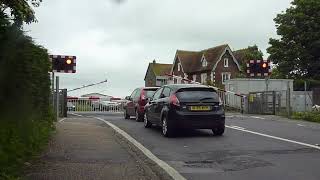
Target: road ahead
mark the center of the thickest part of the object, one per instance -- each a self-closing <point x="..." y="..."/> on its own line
<point x="250" y="148"/>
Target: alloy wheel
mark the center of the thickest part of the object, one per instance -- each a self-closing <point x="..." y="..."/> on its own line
<point x="164" y="126"/>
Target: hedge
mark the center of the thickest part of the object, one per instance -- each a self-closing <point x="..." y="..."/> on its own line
<point x="26" y="118"/>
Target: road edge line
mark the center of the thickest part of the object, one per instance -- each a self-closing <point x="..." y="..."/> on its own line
<point x="275" y="137"/>
<point x="166" y="167"/>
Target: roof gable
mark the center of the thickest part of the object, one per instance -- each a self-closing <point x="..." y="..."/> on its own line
<point x="158" y="69"/>
<point x="191" y="60"/>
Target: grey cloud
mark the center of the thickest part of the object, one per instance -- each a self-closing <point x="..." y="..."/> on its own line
<point x="117" y="39"/>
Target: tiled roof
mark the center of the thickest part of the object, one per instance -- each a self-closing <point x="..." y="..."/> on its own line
<point x="160" y="69"/>
<point x="191" y="60"/>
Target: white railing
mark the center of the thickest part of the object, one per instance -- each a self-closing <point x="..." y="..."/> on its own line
<point x="93" y="105"/>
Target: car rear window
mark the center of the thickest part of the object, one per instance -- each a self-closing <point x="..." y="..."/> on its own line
<point x="197" y="95"/>
<point x="150" y="92"/>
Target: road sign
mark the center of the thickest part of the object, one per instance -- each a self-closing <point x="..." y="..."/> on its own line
<point x="63" y="63"/>
<point x="258" y="68"/>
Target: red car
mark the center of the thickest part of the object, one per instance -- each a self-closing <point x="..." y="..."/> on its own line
<point x="136" y="102"/>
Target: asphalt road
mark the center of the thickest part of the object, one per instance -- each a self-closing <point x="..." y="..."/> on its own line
<point x="238" y="154"/>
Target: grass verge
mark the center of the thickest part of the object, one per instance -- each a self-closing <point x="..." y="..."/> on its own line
<point x="307" y="116"/>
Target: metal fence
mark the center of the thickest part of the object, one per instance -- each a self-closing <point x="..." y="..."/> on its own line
<point x="93" y="105"/>
<point x="232" y="101"/>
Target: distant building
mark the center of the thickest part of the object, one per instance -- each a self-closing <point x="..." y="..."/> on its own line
<point x="98" y="95"/>
<point x="210" y="66"/>
<point x="156" y="74"/>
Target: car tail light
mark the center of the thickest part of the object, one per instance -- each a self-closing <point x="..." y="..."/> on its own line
<point x="143" y="95"/>
<point x="143" y="98"/>
<point x="174" y="100"/>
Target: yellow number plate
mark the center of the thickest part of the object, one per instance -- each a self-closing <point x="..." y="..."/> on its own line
<point x="200" y="108"/>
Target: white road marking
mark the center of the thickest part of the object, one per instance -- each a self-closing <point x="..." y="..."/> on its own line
<point x="166" y="167"/>
<point x="237" y="127"/>
<point x="301" y="125"/>
<point x="275" y="137"/>
<point x="61" y="120"/>
<point x="76" y="114"/>
<point x="256" y="117"/>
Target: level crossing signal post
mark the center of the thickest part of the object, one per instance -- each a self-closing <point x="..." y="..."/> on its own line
<point x="60" y="64"/>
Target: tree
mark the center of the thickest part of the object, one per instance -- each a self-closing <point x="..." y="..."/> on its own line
<point x="246" y="54"/>
<point x="20" y="10"/>
<point x="297" y="52"/>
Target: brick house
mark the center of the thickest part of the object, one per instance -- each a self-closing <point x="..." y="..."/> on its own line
<point x="214" y="65"/>
<point x="156" y="74"/>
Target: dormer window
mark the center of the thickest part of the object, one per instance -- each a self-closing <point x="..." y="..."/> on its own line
<point x="179" y="66"/>
<point x="226" y="62"/>
<point x="204" y="62"/>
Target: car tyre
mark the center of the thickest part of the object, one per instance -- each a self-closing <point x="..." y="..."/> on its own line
<point x="126" y="115"/>
<point x="147" y="123"/>
<point x="139" y="118"/>
<point x="218" y="131"/>
<point x="167" y="128"/>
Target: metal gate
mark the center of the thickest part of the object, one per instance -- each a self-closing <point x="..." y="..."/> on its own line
<point x="75" y="104"/>
<point x="262" y="102"/>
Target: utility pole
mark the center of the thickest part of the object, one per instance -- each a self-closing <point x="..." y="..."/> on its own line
<point x="52" y="88"/>
<point x="305" y="96"/>
<point x="57" y="97"/>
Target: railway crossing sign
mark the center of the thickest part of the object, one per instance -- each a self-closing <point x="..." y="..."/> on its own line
<point x="63" y="63"/>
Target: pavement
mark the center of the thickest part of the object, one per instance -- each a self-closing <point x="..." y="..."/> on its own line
<point x="85" y="148"/>
<point x="253" y="147"/>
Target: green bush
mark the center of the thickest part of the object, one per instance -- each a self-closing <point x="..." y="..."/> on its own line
<point x="26" y="119"/>
<point x="307" y="116"/>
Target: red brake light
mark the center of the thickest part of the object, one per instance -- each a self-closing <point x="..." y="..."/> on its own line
<point x="143" y="95"/>
<point x="174" y="100"/>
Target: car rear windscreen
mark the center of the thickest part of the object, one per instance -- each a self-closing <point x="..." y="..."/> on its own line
<point x="150" y="92"/>
<point x="197" y="95"/>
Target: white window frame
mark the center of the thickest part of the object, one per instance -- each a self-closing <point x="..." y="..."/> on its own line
<point x="226" y="62"/>
<point x="194" y="77"/>
<point x="179" y="66"/>
<point x="204" y="62"/>
<point x="225" y="76"/>
<point x="204" y="77"/>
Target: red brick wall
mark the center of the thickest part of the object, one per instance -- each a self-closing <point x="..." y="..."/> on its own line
<point x="233" y="69"/>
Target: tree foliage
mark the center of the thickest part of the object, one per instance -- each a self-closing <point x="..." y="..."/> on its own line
<point x="247" y="54"/>
<point x="26" y="118"/>
<point x="297" y="52"/>
<point x="20" y="10"/>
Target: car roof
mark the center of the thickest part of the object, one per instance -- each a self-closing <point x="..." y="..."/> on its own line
<point x="146" y="88"/>
<point x="179" y="86"/>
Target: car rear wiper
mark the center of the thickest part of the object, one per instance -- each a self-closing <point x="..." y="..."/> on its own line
<point x="206" y="98"/>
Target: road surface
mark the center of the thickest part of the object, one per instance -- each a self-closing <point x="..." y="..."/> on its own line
<point x="253" y="147"/>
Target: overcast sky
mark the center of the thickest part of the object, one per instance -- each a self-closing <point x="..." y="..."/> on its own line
<point x="116" y="41"/>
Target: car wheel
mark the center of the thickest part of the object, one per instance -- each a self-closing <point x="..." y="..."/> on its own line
<point x="138" y="117"/>
<point x="167" y="129"/>
<point x="126" y="115"/>
<point x="147" y="123"/>
<point x="218" y="131"/>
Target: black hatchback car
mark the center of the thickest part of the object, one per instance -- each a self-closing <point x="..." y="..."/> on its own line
<point x="187" y="106"/>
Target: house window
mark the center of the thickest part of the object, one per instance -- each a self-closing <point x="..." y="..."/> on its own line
<point x="204" y="62"/>
<point x="179" y="79"/>
<point x="203" y="78"/>
<point x="179" y="66"/>
<point x="226" y="62"/>
<point x="225" y="77"/>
